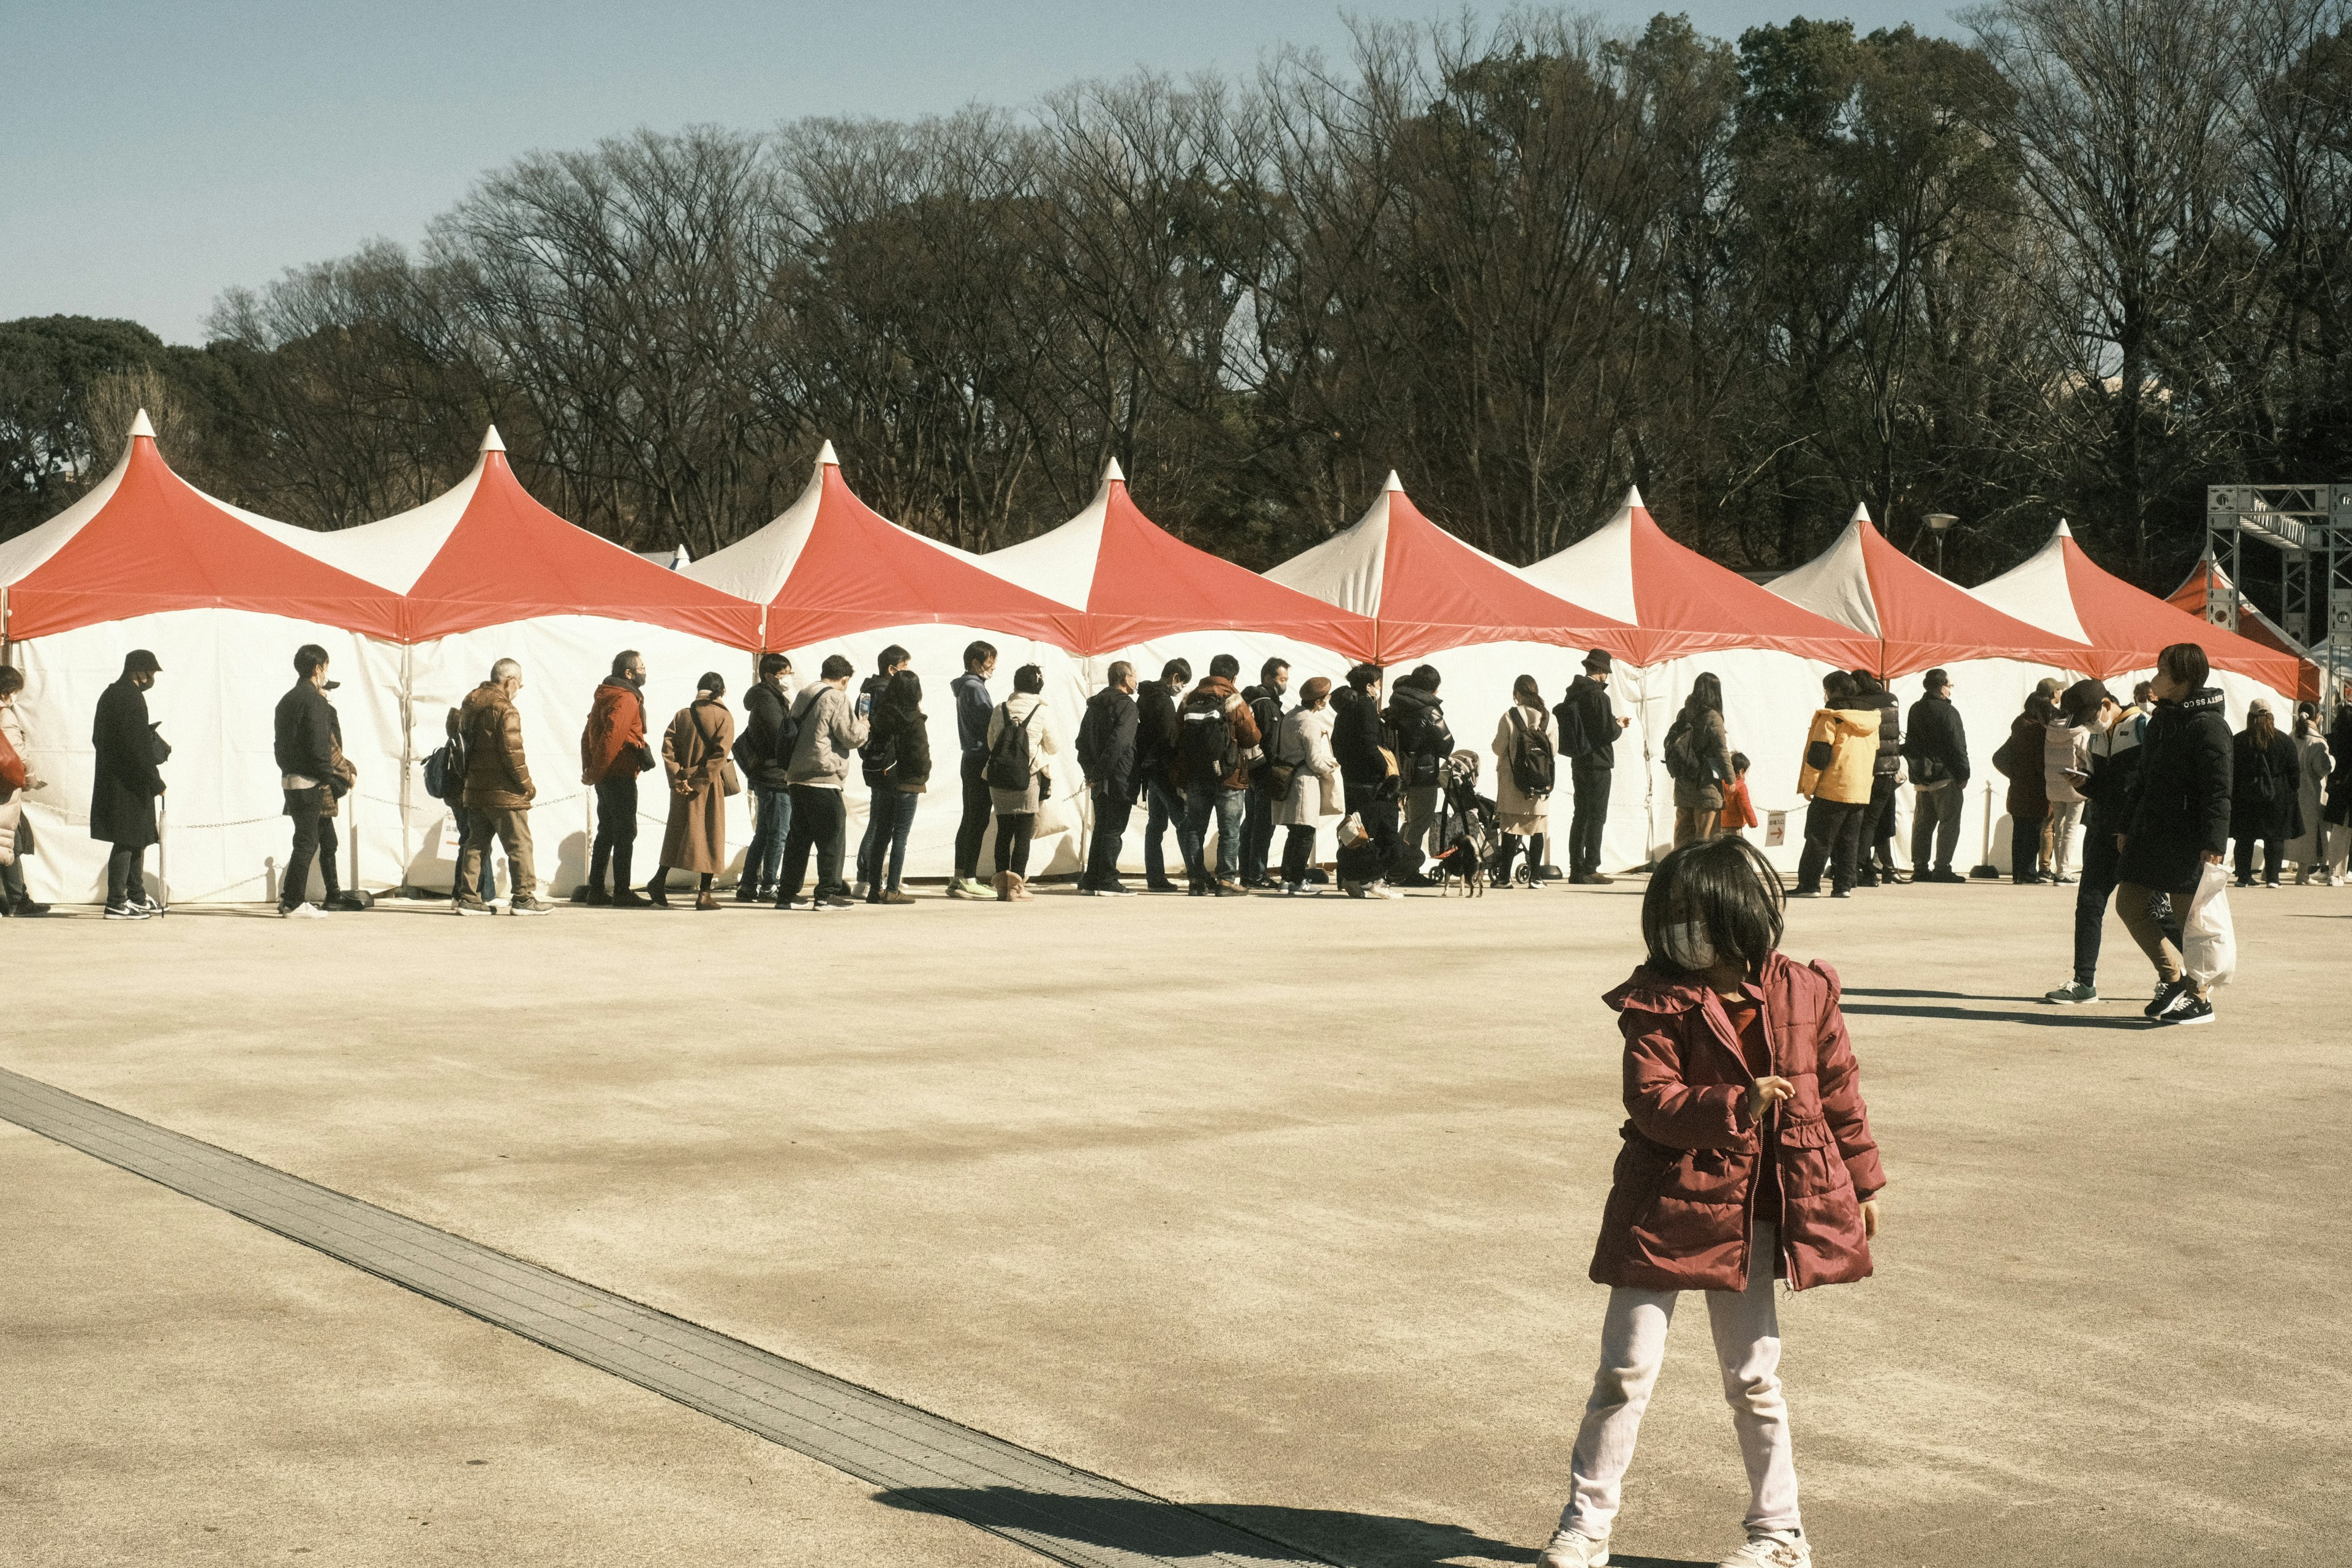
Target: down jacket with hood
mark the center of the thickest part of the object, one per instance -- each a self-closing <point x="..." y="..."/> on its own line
<point x="2178" y="811"/>
<point x="497" y="777"/>
<point x="1682" y="1203"/>
<point x="1840" y="753"/>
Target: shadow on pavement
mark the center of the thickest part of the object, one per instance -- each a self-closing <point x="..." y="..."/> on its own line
<point x="2055" y="1018"/>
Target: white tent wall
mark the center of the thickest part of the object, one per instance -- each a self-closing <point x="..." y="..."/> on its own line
<point x="226" y="832"/>
<point x="563" y="657"/>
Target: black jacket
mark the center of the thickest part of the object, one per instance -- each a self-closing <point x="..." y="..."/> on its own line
<point x="1106" y="746"/>
<point x="874" y="756"/>
<point x="305" y="733"/>
<point x="1417" y="719"/>
<point x="1937" y="742"/>
<point x="1155" y="734"/>
<point x="1890" y="730"/>
<point x="129" y="773"/>
<point x="1266" y="708"/>
<point x="2256" y="812"/>
<point x="1589" y="700"/>
<point x="764" y="710"/>
<point x="897" y="730"/>
<point x="2180" y="810"/>
<point x="2338" y="809"/>
<point x="1357" y="735"/>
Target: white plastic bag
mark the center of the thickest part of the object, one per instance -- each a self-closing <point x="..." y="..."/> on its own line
<point x="2209" y="942"/>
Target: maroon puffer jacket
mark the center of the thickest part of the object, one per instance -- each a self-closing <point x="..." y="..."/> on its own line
<point x="1680" y="1210"/>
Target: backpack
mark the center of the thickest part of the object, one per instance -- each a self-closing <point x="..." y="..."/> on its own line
<point x="1531" y="756"/>
<point x="444" y="772"/>
<point x="1205" y="746"/>
<point x="1011" y="756"/>
<point x="1575" y="744"/>
<point x="1681" y="763"/>
<point x="788" y="734"/>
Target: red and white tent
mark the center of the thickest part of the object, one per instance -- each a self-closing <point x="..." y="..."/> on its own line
<point x="1693" y="616"/>
<point x="836" y="576"/>
<point x="2206" y="594"/>
<point x="222" y="598"/>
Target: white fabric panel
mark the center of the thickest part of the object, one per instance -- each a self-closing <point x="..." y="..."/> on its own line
<point x="225" y="834"/>
<point x="1835" y="584"/>
<point x="1345" y="569"/>
<point x="756" y="566"/>
<point x="2035" y="591"/>
<point x="1597" y="571"/>
<point x="20" y="557"/>
<point x="1059" y="564"/>
<point x="395" y="551"/>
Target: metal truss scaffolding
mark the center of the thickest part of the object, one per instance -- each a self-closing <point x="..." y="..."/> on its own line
<point x="2310" y="526"/>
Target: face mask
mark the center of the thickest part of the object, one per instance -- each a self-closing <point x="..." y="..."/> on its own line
<point x="1687" y="945"/>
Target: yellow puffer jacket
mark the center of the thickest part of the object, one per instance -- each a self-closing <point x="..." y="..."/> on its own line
<point x="1848" y="739"/>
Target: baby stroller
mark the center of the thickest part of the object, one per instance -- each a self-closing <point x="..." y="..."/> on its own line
<point x="1465" y="827"/>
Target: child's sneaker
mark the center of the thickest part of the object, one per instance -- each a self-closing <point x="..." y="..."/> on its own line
<point x="1569" y="1550"/>
<point x="1771" y="1549"/>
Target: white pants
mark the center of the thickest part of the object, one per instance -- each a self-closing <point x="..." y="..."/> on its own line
<point x="1634" y="1346"/>
<point x="2065" y="816"/>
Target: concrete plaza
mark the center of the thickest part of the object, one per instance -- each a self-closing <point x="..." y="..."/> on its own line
<point x="1279" y="1208"/>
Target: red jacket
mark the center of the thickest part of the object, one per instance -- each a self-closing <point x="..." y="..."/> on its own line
<point x="1679" y="1211"/>
<point x="615" y="740"/>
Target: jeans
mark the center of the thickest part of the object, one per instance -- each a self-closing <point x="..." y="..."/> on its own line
<point x="1936" y="825"/>
<point x="1585" y="827"/>
<point x="772" y="821"/>
<point x="616" y="830"/>
<point x="1747" y="1329"/>
<point x="1012" y="831"/>
<point x="973" y="826"/>
<point x="1832" y="838"/>
<point x="1298" y="854"/>
<point x="12" y="885"/>
<point x="1369" y="861"/>
<point x="489" y="880"/>
<point x="1193" y="838"/>
<point x="2273" y="856"/>
<point x="126" y="875"/>
<point x="512" y="829"/>
<point x="1163" y="808"/>
<point x="2063" y="817"/>
<point x="314" y="840"/>
<point x="818" y="821"/>
<point x="2025" y="845"/>
<point x="889" y="817"/>
<point x="1102" y="847"/>
<point x="1258" y="834"/>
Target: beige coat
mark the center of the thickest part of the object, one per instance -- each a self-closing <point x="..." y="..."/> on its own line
<point x="2303" y="850"/>
<point x="694" y="758"/>
<point x="1517" y="813"/>
<point x="1043" y="742"/>
<point x="16" y="833"/>
<point x="1304" y="737"/>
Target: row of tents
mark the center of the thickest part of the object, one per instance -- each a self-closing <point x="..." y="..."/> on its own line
<point x="414" y="609"/>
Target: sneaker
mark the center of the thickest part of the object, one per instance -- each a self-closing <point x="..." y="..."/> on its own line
<point x="594" y="897"/>
<point x="1232" y="891"/>
<point x="1770" y="1549"/>
<point x="2190" y="1010"/>
<point x="1353" y="889"/>
<point x="127" y="913"/>
<point x="1163" y="886"/>
<point x="1114" y="890"/>
<point x="470" y="906"/>
<point x="1382" y="890"/>
<point x="1843" y="892"/>
<point x="522" y="906"/>
<point x="1813" y="892"/>
<point x="1569" y="1550"/>
<point x="2063" y="879"/>
<point x="2073" y="993"/>
<point x="149" y="903"/>
<point x="960" y="888"/>
<point x="860" y="890"/>
<point x="2168" y="993"/>
<point x="302" y="913"/>
<point x="897" y="897"/>
<point x="836" y="901"/>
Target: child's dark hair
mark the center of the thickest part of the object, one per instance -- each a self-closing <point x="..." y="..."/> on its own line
<point x="1738" y="762"/>
<point x="1724" y="885"/>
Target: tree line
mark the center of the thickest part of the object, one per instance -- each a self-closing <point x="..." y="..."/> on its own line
<point x="2083" y="264"/>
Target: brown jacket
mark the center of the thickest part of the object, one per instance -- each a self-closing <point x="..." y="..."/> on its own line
<point x="497" y="776"/>
<point x="1681" y="1204"/>
<point x="613" y="741"/>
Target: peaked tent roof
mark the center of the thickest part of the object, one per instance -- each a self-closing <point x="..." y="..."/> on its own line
<point x="2207" y="582"/>
<point x="1684" y="603"/>
<point x="2059" y="587"/>
<point x="143" y="540"/>
<point x="1920" y="619"/>
<point x="1427" y="590"/>
<point x="483" y="553"/>
<point x="1136" y="582"/>
<point x="830" y="565"/>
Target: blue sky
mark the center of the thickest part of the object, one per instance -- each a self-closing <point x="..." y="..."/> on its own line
<point x="152" y="155"/>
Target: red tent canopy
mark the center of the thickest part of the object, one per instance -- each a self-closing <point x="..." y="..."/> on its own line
<point x="2205" y="595"/>
<point x="145" y="540"/>
<point x="1919" y="620"/>
<point x="831" y="566"/>
<point x="1428" y="591"/>
<point x="1684" y="604"/>
<point x="1136" y="582"/>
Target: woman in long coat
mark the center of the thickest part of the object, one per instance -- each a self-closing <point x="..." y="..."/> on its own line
<point x="694" y="759"/>
<point x="1520" y="816"/>
<point x="2305" y="848"/>
<point x="2265" y="772"/>
<point x="1302" y="743"/>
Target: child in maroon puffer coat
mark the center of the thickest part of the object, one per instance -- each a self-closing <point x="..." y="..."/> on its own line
<point x="1747" y="1158"/>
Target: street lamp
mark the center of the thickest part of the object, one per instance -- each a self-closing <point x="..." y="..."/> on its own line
<point x="1940" y="523"/>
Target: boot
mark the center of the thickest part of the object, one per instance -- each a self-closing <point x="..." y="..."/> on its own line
<point x="706" y="900"/>
<point x="1021" y="894"/>
<point x="1003" y="886"/>
<point x="656" y="894"/>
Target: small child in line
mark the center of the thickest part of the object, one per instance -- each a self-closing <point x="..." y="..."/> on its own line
<point x="1739" y="811"/>
<point x="1748" y="1158"/>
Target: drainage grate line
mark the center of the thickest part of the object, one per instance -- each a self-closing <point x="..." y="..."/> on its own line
<point x="1055" y="1509"/>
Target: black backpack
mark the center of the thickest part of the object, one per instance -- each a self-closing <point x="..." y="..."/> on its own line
<point x="444" y="772"/>
<point x="1531" y="756"/>
<point x="1682" y="765"/>
<point x="1011" y="756"/>
<point x="1205" y="745"/>
<point x="788" y="734"/>
<point x="1574" y="743"/>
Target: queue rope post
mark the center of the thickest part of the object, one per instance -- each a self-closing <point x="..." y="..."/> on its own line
<point x="1986" y="870"/>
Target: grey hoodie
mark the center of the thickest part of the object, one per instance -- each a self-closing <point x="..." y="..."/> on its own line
<point x="831" y="732"/>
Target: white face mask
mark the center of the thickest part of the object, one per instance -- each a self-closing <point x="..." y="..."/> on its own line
<point x="1686" y="944"/>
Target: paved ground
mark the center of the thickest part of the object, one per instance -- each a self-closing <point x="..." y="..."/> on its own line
<point x="1280" y="1208"/>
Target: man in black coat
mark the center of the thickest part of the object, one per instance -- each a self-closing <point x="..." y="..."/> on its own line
<point x="308" y="738"/>
<point x="1155" y="758"/>
<point x="1107" y="753"/>
<point x="1936" y="747"/>
<point x="2176" y="821"/>
<point x="128" y="774"/>
<point x="1360" y="737"/>
<point x="1588" y="727"/>
<point x="1416" y="718"/>
<point x="1265" y="701"/>
<point x="874" y="761"/>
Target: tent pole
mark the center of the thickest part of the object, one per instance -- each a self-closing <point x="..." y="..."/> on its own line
<point x="407" y="753"/>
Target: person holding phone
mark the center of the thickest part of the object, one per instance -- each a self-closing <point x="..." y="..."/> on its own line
<point x="2111" y="758"/>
